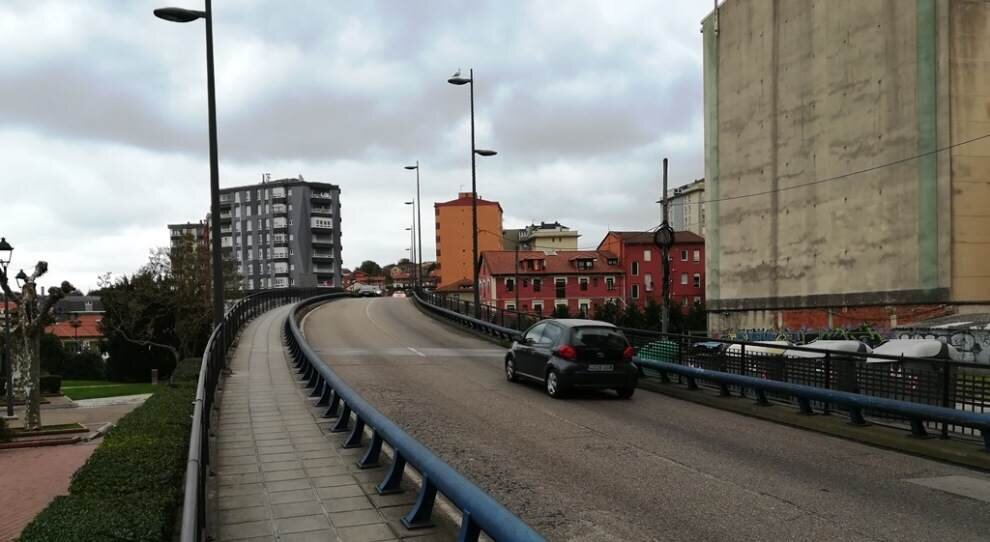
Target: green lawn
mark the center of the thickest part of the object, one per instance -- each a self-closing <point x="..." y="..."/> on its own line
<point x="96" y="389"/>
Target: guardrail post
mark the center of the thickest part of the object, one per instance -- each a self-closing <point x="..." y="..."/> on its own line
<point x="804" y="405"/>
<point x="918" y="428"/>
<point x="761" y="398"/>
<point x="318" y="388"/>
<point x="469" y="531"/>
<point x="947" y="381"/>
<point x="985" y="431"/>
<point x="393" y="480"/>
<point x="343" y="421"/>
<point x="355" y="438"/>
<point x="419" y="516"/>
<point x="856" y="416"/>
<point x="334" y="405"/>
<point x="373" y="454"/>
<point x="324" y="399"/>
<point x="828" y="380"/>
<point x="742" y="367"/>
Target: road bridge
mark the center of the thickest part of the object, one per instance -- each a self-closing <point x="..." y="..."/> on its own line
<point x="595" y="467"/>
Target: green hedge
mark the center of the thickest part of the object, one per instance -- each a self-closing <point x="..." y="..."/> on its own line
<point x="131" y="487"/>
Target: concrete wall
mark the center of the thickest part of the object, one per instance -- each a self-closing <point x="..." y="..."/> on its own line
<point x="800" y="92"/>
<point x="970" y="103"/>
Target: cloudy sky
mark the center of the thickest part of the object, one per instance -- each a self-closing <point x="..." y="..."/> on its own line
<point x="103" y="132"/>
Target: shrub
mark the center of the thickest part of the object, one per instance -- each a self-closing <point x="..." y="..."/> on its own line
<point x="51" y="384"/>
<point x="131" y="487"/>
<point x="53" y="354"/>
<point x="84" y="366"/>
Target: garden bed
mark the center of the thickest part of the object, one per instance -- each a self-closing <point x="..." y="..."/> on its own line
<point x="131" y="487"/>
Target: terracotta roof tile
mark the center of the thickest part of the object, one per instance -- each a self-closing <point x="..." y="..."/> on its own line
<point x="502" y="262"/>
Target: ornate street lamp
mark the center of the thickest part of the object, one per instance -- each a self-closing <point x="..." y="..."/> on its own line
<point x="6" y="253"/>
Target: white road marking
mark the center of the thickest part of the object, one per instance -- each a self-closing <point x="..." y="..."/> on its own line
<point x="967" y="486"/>
<point x="417" y="352"/>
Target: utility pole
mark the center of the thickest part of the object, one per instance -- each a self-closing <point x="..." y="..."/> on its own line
<point x="664" y="238"/>
<point x="516" y="279"/>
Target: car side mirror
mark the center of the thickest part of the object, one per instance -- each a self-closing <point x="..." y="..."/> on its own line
<point x="528" y="341"/>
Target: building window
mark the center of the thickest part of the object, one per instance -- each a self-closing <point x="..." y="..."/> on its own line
<point x="583" y="306"/>
<point x="537" y="285"/>
<point x="538" y="308"/>
<point x="560" y="286"/>
<point x="635" y="269"/>
<point x="683" y="255"/>
<point x="697" y="300"/>
<point x="510" y="285"/>
<point x="697" y="280"/>
<point x="647" y="255"/>
<point x="610" y="283"/>
<point x="648" y="282"/>
<point x="684" y="279"/>
<point x="583" y="282"/>
<point x="696" y="256"/>
<point x="635" y="291"/>
<point x="510" y="306"/>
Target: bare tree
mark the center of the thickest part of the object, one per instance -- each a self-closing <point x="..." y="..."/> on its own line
<point x="29" y="324"/>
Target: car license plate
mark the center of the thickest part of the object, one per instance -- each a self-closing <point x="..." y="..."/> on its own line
<point x="600" y="367"/>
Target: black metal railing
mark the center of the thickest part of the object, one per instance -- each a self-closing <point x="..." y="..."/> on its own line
<point x="944" y="383"/>
<point x="480" y="512"/>
<point x="193" y="523"/>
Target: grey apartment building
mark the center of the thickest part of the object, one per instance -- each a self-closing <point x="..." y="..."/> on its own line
<point x="283" y="233"/>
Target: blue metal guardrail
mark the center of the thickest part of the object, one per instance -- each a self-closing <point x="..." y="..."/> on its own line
<point x="480" y="512"/>
<point x="488" y="328"/>
<point x="916" y="413"/>
<point x="193" y="524"/>
<point x="854" y="402"/>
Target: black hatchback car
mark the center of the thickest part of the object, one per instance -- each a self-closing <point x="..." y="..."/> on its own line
<point x="571" y="353"/>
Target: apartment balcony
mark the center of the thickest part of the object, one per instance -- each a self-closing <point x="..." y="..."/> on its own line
<point x="320" y="223"/>
<point x="225" y="216"/>
<point x="319" y="255"/>
<point x="321" y="210"/>
<point x="280" y="254"/>
<point x="281" y="269"/>
<point x="321" y="196"/>
<point x="278" y="193"/>
<point x="280" y="239"/>
<point x="280" y="223"/>
<point x="226" y="200"/>
<point x="323" y="269"/>
<point x="322" y="240"/>
<point x="280" y="209"/>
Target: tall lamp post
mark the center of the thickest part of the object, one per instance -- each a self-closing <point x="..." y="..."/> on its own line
<point x="419" y="229"/>
<point x="412" y="238"/>
<point x="181" y="15"/>
<point x="456" y="79"/>
<point x="6" y="252"/>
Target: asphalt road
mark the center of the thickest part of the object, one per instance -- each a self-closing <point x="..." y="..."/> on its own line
<point x="594" y="467"/>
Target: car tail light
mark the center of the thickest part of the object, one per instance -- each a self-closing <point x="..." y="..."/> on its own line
<point x="628" y="353"/>
<point x="567" y="352"/>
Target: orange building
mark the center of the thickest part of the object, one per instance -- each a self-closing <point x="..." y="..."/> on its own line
<point x="454" y="251"/>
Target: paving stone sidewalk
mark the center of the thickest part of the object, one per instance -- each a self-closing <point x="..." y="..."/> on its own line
<point x="279" y="474"/>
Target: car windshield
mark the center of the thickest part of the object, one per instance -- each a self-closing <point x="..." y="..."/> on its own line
<point x="599" y="337"/>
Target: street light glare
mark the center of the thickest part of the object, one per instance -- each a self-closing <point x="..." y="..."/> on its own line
<point x="485" y="152"/>
<point x="179" y="15"/>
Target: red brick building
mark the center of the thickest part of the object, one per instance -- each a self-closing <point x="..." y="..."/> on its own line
<point x="578" y="279"/>
<point x="641" y="264"/>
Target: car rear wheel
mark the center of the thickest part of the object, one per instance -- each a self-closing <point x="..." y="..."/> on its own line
<point x="510" y="370"/>
<point x="626" y="393"/>
<point x="553" y="386"/>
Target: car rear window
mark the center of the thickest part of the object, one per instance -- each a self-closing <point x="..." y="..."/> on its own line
<point x="599" y="337"/>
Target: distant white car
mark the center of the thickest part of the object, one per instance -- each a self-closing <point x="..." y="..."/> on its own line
<point x="398" y="293"/>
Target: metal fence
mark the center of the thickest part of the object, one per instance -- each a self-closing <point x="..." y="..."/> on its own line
<point x="480" y="512"/>
<point x="949" y="384"/>
<point x="193" y="523"/>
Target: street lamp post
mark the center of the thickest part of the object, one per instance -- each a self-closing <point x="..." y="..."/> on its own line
<point x="412" y="238"/>
<point x="456" y="79"/>
<point x="664" y="238"/>
<point x="180" y="15"/>
<point x="419" y="229"/>
<point x="6" y="252"/>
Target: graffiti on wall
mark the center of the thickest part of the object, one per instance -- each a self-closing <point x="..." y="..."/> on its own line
<point x="972" y="344"/>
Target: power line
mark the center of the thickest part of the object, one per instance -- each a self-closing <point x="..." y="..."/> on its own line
<point x="840" y="177"/>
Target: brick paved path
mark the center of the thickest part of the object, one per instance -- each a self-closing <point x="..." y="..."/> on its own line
<point x="280" y="475"/>
<point x="30" y="478"/>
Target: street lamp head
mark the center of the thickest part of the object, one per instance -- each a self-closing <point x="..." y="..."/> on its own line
<point x="408" y="202"/>
<point x="21" y="277"/>
<point x="411" y="167"/>
<point x="5" y="251"/>
<point x="456" y="79"/>
<point x="485" y="152"/>
<point x="179" y="15"/>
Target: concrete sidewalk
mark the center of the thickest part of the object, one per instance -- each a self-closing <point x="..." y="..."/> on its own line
<point x="279" y="474"/>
